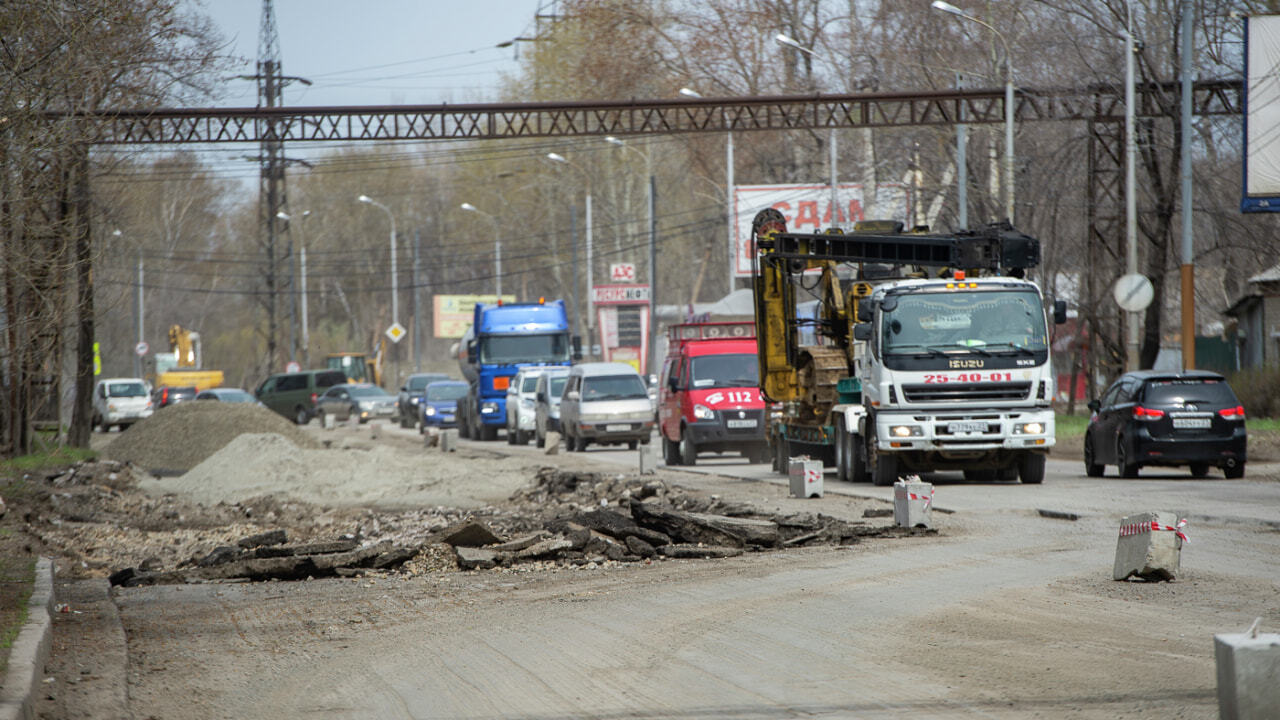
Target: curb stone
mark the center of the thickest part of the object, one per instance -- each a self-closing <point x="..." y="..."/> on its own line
<point x="30" y="649"/>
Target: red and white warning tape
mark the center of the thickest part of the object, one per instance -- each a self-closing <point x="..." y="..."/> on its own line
<point x="1153" y="526"/>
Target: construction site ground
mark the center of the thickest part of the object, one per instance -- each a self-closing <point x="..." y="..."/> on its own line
<point x="1007" y="610"/>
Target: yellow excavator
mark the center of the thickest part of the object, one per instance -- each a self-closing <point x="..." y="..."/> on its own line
<point x="187" y="370"/>
<point x="359" y="367"/>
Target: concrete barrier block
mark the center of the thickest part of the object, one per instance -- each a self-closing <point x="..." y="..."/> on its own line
<point x="648" y="459"/>
<point x="553" y="443"/>
<point x="1150" y="546"/>
<point x="329" y="422"/>
<point x="449" y="440"/>
<point x="805" y="477"/>
<point x="1248" y="675"/>
<point x="913" y="503"/>
<point x="375" y="429"/>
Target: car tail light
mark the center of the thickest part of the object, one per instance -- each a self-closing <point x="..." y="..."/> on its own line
<point x="1141" y="413"/>
<point x="314" y="397"/>
<point x="164" y="396"/>
<point x="1235" y="413"/>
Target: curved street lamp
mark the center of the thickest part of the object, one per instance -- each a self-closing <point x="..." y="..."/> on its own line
<point x="497" y="247"/>
<point x="1008" y="99"/>
<point x="395" y="304"/>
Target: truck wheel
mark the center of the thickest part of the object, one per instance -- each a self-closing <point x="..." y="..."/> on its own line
<point x="688" y="451"/>
<point x="1031" y="469"/>
<point x="781" y="455"/>
<point x="858" y="471"/>
<point x="842" y="452"/>
<point x="886" y="470"/>
<point x="301" y="416"/>
<point x="670" y="454"/>
<point x="464" y="427"/>
<point x="633" y="444"/>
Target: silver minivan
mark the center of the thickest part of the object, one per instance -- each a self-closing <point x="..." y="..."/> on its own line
<point x="605" y="403"/>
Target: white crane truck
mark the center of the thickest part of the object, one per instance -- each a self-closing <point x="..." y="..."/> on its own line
<point x="921" y="352"/>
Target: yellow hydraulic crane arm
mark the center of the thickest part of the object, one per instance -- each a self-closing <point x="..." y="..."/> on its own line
<point x="774" y="304"/>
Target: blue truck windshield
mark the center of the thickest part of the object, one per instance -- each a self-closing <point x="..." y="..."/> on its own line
<point x="511" y="349"/>
<point x="965" y="320"/>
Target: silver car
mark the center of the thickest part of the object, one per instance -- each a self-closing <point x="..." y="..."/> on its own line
<point x="605" y="403"/>
<point x="362" y="401"/>
<point x="546" y="403"/>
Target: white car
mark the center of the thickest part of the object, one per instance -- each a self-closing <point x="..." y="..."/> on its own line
<point x="520" y="407"/>
<point x="120" y="402"/>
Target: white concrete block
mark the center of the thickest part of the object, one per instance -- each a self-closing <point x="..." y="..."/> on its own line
<point x="449" y="440"/>
<point x="1150" y="546"/>
<point x="329" y="422"/>
<point x="648" y="459"/>
<point x="1248" y="675"/>
<point x="913" y="503"/>
<point x="375" y="429"/>
<point x="552" y="443"/>
<point x="805" y="476"/>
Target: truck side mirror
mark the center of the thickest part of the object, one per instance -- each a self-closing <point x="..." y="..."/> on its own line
<point x="471" y="352"/>
<point x="1059" y="312"/>
<point x="864" y="312"/>
<point x="577" y="347"/>
<point x="862" y="331"/>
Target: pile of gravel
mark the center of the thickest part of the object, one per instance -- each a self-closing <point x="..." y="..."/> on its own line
<point x="179" y="437"/>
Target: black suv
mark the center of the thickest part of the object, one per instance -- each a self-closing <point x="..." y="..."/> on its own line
<point x="1151" y="417"/>
<point x="167" y="395"/>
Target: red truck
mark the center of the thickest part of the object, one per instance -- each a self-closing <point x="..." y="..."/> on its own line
<point x="709" y="393"/>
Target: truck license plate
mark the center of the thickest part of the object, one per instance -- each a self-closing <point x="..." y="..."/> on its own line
<point x="735" y="424"/>
<point x="1191" y="423"/>
<point x="617" y="428"/>
<point x="968" y="426"/>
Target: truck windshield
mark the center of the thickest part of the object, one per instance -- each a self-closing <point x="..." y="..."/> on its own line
<point x="509" y="349"/>
<point x="731" y="370"/>
<point x="980" y="321"/>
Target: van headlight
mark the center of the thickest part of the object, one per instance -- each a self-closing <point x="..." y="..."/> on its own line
<point x="702" y="412"/>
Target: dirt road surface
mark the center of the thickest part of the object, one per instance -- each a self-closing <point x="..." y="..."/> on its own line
<point x="1003" y="613"/>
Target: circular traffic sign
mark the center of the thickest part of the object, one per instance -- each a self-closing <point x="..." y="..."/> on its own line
<point x="141" y="348"/>
<point x="292" y="366"/>
<point x="1133" y="292"/>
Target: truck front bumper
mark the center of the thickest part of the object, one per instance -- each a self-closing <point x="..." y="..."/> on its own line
<point x="961" y="435"/>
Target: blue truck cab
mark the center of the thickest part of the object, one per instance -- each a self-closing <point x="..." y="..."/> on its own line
<point x="502" y="339"/>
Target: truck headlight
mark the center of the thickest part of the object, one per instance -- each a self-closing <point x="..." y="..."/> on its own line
<point x="901" y="431"/>
<point x="1031" y="428"/>
<point x="430" y="411"/>
<point x="702" y="412"/>
<point x="489" y="408"/>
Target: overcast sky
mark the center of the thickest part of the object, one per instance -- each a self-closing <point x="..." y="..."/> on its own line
<point x="379" y="52"/>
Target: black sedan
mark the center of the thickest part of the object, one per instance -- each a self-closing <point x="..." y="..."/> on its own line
<point x="1155" y="418"/>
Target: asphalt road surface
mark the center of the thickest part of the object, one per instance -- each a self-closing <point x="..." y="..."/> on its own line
<point x="1003" y="613"/>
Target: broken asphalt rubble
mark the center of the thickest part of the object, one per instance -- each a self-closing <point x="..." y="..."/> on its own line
<point x="566" y="517"/>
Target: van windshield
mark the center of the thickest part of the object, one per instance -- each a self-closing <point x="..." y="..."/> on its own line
<point x="129" y="389"/>
<point x="614" y="387"/>
<point x="730" y="370"/>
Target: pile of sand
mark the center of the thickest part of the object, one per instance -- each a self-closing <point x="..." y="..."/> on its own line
<point x="179" y="437"/>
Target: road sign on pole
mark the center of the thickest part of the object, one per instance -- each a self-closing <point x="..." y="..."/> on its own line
<point x="396" y="332"/>
<point x="141" y="348"/>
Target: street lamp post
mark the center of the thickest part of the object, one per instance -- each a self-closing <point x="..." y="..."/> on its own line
<point x="395" y="303"/>
<point x="562" y="160"/>
<point x="651" y="362"/>
<point x="1008" y="100"/>
<point x="302" y="262"/>
<point x="730" y="216"/>
<point x="497" y="247"/>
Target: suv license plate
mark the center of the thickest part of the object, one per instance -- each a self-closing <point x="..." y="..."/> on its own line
<point x="1192" y="423"/>
<point x="734" y="424"/>
<point x="617" y="428"/>
<point x="966" y="427"/>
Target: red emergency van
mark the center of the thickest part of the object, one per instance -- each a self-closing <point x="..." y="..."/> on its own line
<point x="709" y="393"/>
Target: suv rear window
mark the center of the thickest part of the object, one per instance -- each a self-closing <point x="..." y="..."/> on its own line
<point x="1209" y="392"/>
<point x="329" y="378"/>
